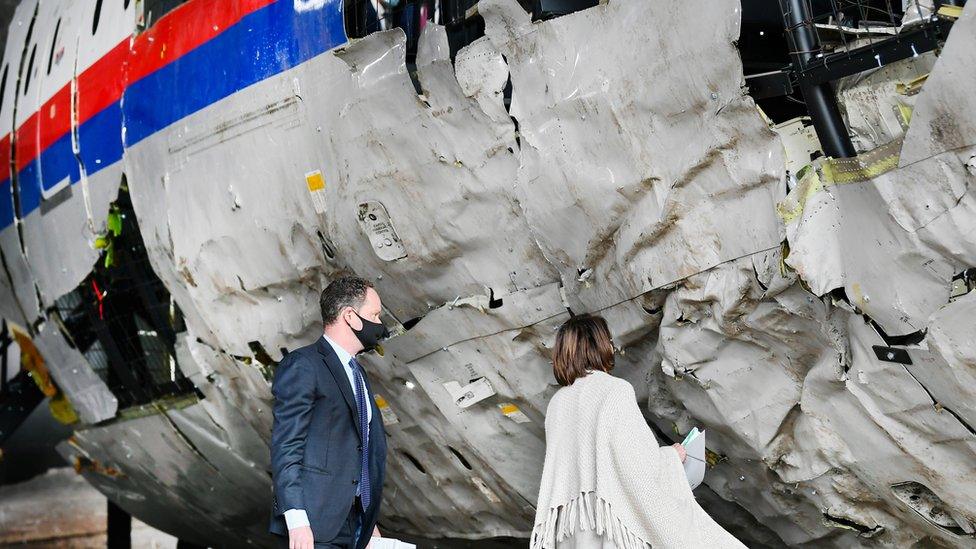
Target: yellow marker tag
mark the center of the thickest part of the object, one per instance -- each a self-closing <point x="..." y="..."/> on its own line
<point x="512" y="412"/>
<point x="315" y="181"/>
<point x="316" y="187"/>
<point x="389" y="416"/>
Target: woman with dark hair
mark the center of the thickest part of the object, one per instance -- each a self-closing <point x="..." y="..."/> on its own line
<point x="606" y="483"/>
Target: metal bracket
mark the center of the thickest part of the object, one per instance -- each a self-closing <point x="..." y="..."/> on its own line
<point x="820" y="70"/>
<point x="908" y="43"/>
<point x="892" y="354"/>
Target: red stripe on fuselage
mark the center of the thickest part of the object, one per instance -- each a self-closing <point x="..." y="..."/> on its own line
<point x="5" y="157"/>
<point x="180" y="31"/>
<point x="173" y="37"/>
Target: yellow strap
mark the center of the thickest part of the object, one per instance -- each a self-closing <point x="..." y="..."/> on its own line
<point x="32" y="361"/>
<point x="862" y="167"/>
<point x="809" y="185"/>
<point x="950" y="11"/>
<point x="904" y="115"/>
<point x="62" y="410"/>
<point x="837" y="171"/>
<point x="913" y="86"/>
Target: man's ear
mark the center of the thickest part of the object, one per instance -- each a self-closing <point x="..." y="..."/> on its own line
<point x="347" y="314"/>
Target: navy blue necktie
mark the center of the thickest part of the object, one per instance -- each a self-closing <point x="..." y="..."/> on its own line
<point x="364" y="485"/>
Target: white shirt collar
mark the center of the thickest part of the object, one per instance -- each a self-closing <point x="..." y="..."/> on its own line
<point x="344" y="356"/>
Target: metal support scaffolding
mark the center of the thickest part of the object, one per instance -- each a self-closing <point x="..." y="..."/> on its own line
<point x="819" y="97"/>
<point x="827" y="68"/>
<point x="907" y="43"/>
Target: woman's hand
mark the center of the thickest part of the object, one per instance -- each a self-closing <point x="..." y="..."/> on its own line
<point x="681" y="451"/>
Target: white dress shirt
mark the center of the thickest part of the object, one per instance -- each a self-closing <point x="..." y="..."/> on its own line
<point x="296" y="518"/>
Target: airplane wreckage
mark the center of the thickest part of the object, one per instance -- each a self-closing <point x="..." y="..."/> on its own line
<point x="784" y="256"/>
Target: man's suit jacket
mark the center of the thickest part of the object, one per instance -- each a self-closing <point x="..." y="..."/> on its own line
<point x="316" y="447"/>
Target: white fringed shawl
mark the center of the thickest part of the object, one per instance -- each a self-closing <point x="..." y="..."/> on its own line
<point x="605" y="472"/>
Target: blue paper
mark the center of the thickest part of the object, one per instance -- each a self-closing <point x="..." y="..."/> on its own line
<point x="692" y="435"/>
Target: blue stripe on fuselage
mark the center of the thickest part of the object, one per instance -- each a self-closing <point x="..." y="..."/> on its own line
<point x="6" y="204"/>
<point x="101" y="146"/>
<point x="262" y="44"/>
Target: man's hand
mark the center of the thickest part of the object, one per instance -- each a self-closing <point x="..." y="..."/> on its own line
<point x="300" y="538"/>
<point x="681" y="451"/>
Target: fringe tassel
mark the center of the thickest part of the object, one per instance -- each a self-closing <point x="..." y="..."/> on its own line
<point x="582" y="513"/>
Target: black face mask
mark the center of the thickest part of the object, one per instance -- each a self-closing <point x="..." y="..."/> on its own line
<point x="371" y="333"/>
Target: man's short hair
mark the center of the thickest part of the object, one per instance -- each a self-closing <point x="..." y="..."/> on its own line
<point x="347" y="291"/>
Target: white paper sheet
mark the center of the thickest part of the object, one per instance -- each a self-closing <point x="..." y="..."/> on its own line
<point x="695" y="462"/>
<point x="390" y="543"/>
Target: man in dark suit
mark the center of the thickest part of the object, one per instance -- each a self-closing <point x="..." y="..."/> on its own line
<point x="328" y="446"/>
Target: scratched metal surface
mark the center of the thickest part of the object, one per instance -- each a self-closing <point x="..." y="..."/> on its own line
<point x="63" y="209"/>
<point x="943" y="119"/>
<point x="18" y="300"/>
